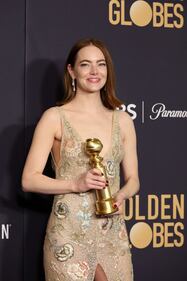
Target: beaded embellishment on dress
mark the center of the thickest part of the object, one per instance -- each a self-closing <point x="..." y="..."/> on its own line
<point x="76" y="240"/>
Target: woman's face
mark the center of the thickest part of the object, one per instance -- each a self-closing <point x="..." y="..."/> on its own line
<point x="90" y="69"/>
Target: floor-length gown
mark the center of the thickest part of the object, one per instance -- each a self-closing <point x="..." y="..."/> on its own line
<point x="76" y="239"/>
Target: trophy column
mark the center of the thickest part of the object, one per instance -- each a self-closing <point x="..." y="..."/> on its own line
<point x="104" y="200"/>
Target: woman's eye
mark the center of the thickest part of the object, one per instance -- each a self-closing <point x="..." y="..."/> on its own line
<point x="84" y="64"/>
<point x="102" y="64"/>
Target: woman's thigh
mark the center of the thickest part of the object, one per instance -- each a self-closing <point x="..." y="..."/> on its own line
<point x="100" y="274"/>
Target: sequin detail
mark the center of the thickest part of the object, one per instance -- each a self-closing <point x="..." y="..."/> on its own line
<point x="78" y="271"/>
<point x="64" y="253"/>
<point x="76" y="239"/>
<point x="61" y="210"/>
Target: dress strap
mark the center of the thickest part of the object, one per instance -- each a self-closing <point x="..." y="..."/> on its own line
<point x="116" y="131"/>
<point x="61" y="113"/>
<point x="116" y="122"/>
<point x="118" y="135"/>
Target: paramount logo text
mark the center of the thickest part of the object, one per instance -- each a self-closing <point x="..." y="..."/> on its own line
<point x="159" y="110"/>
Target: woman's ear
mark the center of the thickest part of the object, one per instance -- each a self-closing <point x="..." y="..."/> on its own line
<point x="71" y="71"/>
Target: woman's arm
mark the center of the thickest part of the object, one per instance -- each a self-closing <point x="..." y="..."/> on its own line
<point x="130" y="161"/>
<point x="32" y="178"/>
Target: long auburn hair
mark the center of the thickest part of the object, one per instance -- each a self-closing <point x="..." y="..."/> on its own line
<point x="107" y="93"/>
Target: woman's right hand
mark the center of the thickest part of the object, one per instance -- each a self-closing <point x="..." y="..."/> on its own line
<point x="92" y="179"/>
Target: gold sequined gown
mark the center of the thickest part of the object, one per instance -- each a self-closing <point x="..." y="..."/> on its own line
<point x="76" y="240"/>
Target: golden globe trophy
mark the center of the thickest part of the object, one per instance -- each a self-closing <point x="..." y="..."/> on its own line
<point x="104" y="200"/>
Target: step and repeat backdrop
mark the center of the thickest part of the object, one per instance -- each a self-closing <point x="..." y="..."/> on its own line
<point x="147" y="41"/>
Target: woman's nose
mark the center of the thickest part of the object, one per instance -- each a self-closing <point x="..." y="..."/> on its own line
<point x="93" y="69"/>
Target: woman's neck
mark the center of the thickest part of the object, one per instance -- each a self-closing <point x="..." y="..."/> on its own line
<point x="88" y="102"/>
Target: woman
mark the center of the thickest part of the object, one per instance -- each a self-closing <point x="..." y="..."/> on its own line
<point x="78" y="244"/>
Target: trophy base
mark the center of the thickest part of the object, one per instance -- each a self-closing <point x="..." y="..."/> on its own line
<point x="105" y="207"/>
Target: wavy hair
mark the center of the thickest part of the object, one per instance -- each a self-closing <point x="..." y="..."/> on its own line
<point x="107" y="93"/>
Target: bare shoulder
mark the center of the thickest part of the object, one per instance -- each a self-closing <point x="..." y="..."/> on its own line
<point x="51" y="114"/>
<point x="126" y="124"/>
<point x="50" y="121"/>
<point x="125" y="119"/>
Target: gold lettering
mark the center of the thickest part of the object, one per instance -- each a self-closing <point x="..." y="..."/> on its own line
<point x="168" y="234"/>
<point x="128" y="204"/>
<point x="158" y="18"/>
<point x="165" y="206"/>
<point x="158" y="235"/>
<point x="168" y="15"/>
<point x="152" y="215"/>
<point x="178" y="206"/>
<point x="162" y="14"/>
<point x="123" y="21"/>
<point x="179" y="16"/>
<point x="179" y="243"/>
<point x="137" y="208"/>
<point x="114" y="14"/>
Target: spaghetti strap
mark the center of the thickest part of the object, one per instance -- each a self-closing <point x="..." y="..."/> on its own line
<point x="116" y="124"/>
<point x="117" y="140"/>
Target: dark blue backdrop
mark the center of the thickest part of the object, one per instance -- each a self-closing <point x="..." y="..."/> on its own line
<point x="150" y="65"/>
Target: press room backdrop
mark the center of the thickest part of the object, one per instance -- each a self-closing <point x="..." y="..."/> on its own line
<point x="147" y="41"/>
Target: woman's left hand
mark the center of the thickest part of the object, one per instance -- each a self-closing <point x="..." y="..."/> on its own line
<point x="119" y="202"/>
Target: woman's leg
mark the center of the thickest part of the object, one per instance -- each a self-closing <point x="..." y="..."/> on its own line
<point x="100" y="274"/>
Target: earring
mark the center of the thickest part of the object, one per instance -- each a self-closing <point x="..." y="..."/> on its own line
<point x="73" y="85"/>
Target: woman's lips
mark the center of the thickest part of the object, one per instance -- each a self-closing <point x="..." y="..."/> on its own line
<point x="93" y="80"/>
